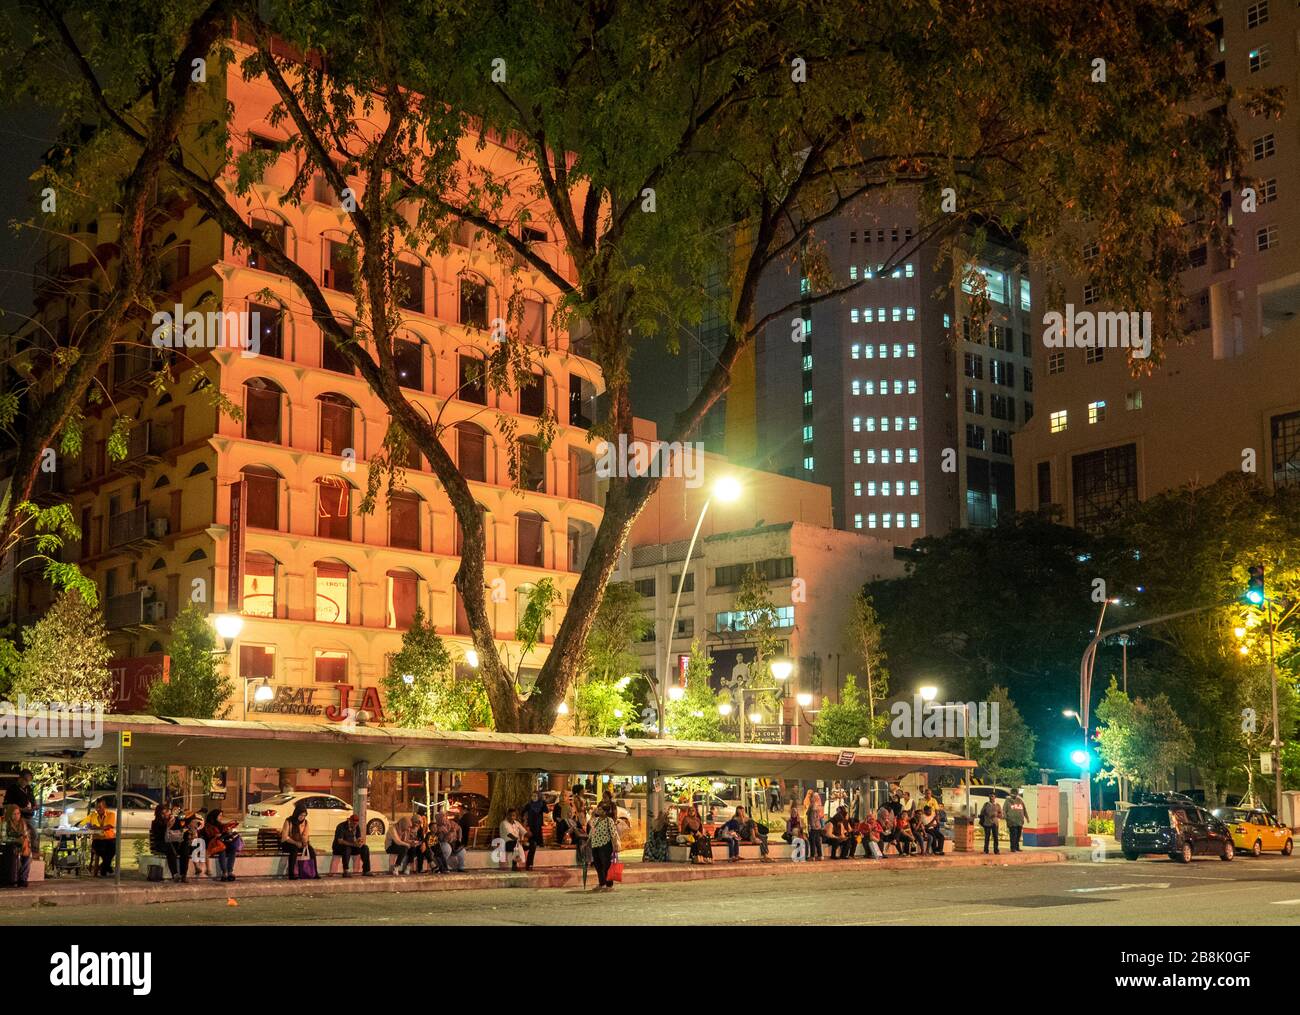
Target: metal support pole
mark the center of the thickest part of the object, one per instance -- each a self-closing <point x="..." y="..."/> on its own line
<point x="672" y="620"/>
<point x="360" y="792"/>
<point x="1276" y="746"/>
<point x="117" y="821"/>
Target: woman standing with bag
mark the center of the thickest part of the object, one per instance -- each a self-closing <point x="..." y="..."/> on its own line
<point x="604" y="845"/>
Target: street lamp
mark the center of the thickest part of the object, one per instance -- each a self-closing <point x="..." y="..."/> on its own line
<point x="228" y="627"/>
<point x="928" y="693"/>
<point x="803" y="699"/>
<point x="726" y="489"/>
<point x="471" y="658"/>
<point x="724" y="709"/>
<point x="781" y="669"/>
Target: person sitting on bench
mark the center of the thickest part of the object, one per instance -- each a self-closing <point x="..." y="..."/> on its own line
<point x="295" y="839"/>
<point x="350" y="841"/>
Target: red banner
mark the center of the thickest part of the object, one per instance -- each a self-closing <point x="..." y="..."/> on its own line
<point x="238" y="509"/>
<point x="132" y="679"/>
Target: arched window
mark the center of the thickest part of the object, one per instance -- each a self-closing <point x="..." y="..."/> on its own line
<point x="473" y="301"/>
<point x="532" y="396"/>
<point x="259" y="584"/>
<point x="582" y="475"/>
<point x="404" y="520"/>
<point x="532" y="465"/>
<point x="263" y="400"/>
<point x="261" y="497"/>
<point x="471" y="383"/>
<point x="532" y="328"/>
<point x="273" y="231"/>
<point x="267" y="323"/>
<point x="403" y="597"/>
<point x="530" y="535"/>
<point x="471" y="451"/>
<point x="335" y="424"/>
<point x="333" y="508"/>
<point x="410" y="285"/>
<point x="408" y="363"/>
<point x="332" y="577"/>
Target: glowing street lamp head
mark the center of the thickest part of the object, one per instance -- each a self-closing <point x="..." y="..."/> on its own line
<point x="676" y="693"/>
<point x="928" y="692"/>
<point x="724" y="709"/>
<point x="782" y="668"/>
<point x="756" y="717"/>
<point x="1071" y="713"/>
<point x="562" y="708"/>
<point x="1240" y="632"/>
<point x="229" y="625"/>
<point x="727" y="489"/>
<point x="804" y="699"/>
<point x="1080" y="758"/>
<point x="471" y="657"/>
<point x="264" y="693"/>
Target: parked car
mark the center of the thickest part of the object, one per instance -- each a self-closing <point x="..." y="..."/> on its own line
<point x="456" y="804"/>
<point x="723" y="810"/>
<point x="1176" y="826"/>
<point x="1255" y="830"/>
<point x="324" y="812"/>
<point x="549" y="797"/>
<point x="137" y="811"/>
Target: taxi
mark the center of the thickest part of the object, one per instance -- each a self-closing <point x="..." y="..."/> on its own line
<point x="1254" y="830"/>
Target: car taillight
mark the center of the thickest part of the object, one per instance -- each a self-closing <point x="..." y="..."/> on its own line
<point x="268" y="814"/>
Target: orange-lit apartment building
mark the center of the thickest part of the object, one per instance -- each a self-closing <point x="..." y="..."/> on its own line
<point x="326" y="592"/>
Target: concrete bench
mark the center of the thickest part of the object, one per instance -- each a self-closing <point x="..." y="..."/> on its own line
<point x="275" y="865"/>
<point x="777" y="849"/>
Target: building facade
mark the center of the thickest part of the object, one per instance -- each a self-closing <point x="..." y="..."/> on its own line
<point x="258" y="512"/>
<point x="1109" y="432"/>
<point x="897" y="394"/>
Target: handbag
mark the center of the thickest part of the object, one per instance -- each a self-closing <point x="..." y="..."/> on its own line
<point x="174" y="835"/>
<point x="616" y="871"/>
<point x="234" y="841"/>
<point x="307" y="867"/>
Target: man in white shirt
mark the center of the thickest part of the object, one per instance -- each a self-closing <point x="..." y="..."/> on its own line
<point x="513" y="833"/>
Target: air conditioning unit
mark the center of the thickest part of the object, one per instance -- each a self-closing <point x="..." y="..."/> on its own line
<point x="146" y="588"/>
<point x="155" y="612"/>
<point x="159" y="527"/>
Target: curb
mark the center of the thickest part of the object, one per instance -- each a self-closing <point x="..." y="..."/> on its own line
<point x="145" y="893"/>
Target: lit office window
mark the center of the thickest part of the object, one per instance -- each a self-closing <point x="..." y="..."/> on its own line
<point x="1096" y="412"/>
<point x="1058" y="420"/>
<point x="916" y="521"/>
<point x="912" y="455"/>
<point x="857" y="521"/>
<point x="914" y="487"/>
<point x="871" y="521"/>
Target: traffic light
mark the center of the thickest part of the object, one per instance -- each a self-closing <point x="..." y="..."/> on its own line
<point x="1255" y="586"/>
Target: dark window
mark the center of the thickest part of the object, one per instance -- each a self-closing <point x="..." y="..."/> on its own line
<point x="331" y="668"/>
<point x="1286" y="449"/>
<point x="261" y="497"/>
<point x="471" y="452"/>
<point x="532" y="465"/>
<point x="473" y="303"/>
<point x="333" y="509"/>
<point x="335" y="424"/>
<point x="1105" y="484"/>
<point x="645" y="587"/>
<point x="532" y="397"/>
<point x="772" y="569"/>
<point x="473" y="386"/>
<point x="975" y="437"/>
<point x="408" y="361"/>
<point x="404" y="521"/>
<point x="974" y="366"/>
<point x="338" y="274"/>
<point x="1028" y="378"/>
<point x="1001" y="442"/>
<point x="1044" y="483"/>
<point x="579" y="403"/>
<point x="274" y="234"/>
<point x="528" y="547"/>
<point x="410" y="286"/>
<point x="332" y="357"/>
<point x="262" y="402"/>
<point x="689" y="585"/>
<point x="270" y="329"/>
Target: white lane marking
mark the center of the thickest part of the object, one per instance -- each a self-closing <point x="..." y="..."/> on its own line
<point x="1120" y="888"/>
<point x="1286" y="902"/>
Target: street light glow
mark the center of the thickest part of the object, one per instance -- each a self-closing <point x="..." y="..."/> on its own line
<point x="727" y="489"/>
<point x="265" y="692"/>
<point x="408" y="678"/>
<point x="1240" y="632"/>
<point x="782" y="668"/>
<point x="1080" y="758"/>
<point x="1071" y="713"/>
<point x="804" y="699"/>
<point x="471" y="658"/>
<point x="928" y="692"/>
<point x="756" y="717"/>
<point x="229" y="625"/>
<point x="562" y="708"/>
<point x="724" y="709"/>
<point x="676" y="693"/>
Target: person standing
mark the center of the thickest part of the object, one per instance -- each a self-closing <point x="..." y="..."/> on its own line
<point x="22" y="796"/>
<point x="514" y="834"/>
<point x="604" y="845"/>
<point x="990" y="815"/>
<point x="1015" y="812"/>
<point x="561" y="814"/>
<point x="534" y="819"/>
<point x="816" y="813"/>
<point x="16" y="844"/>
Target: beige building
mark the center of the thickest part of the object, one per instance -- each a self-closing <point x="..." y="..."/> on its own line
<point x="780" y="525"/>
<point x="1105" y="437"/>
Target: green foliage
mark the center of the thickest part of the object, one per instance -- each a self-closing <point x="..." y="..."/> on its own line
<point x="1008" y="762"/>
<point x="198" y="686"/>
<point x="602" y="708"/>
<point x="542" y="598"/>
<point x="65" y="655"/>
<point x="844" y="723"/>
<point x="1139" y="740"/>
<point x="433" y="698"/>
<point x="867" y="637"/>
<point x="695" y="716"/>
<point x="49" y="529"/>
<point x="619" y="625"/>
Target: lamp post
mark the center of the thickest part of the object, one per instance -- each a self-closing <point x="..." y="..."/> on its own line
<point x="928" y="693"/>
<point x="229" y="626"/>
<point x="726" y="489"/>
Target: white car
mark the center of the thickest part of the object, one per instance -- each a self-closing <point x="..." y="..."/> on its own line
<point x="324" y="812"/>
<point x="137" y="811"/>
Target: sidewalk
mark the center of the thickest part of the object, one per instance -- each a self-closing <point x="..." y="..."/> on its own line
<point x="135" y="891"/>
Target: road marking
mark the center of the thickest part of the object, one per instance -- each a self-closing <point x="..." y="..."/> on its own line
<point x="1120" y="888"/>
<point x="1286" y="902"/>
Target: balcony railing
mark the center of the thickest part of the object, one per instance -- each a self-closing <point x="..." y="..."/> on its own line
<point x="125" y="610"/>
<point x="129" y="528"/>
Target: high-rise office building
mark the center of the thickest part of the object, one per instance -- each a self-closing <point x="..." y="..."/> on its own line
<point x="901" y="395"/>
<point x="1110" y="433"/>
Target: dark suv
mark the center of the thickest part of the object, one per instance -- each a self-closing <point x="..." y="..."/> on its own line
<point x="1175" y="826"/>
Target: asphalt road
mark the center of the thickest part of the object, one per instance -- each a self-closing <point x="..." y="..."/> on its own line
<point x="1247" y="891"/>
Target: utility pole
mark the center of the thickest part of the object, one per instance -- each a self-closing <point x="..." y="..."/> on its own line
<point x="1276" y="746"/>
